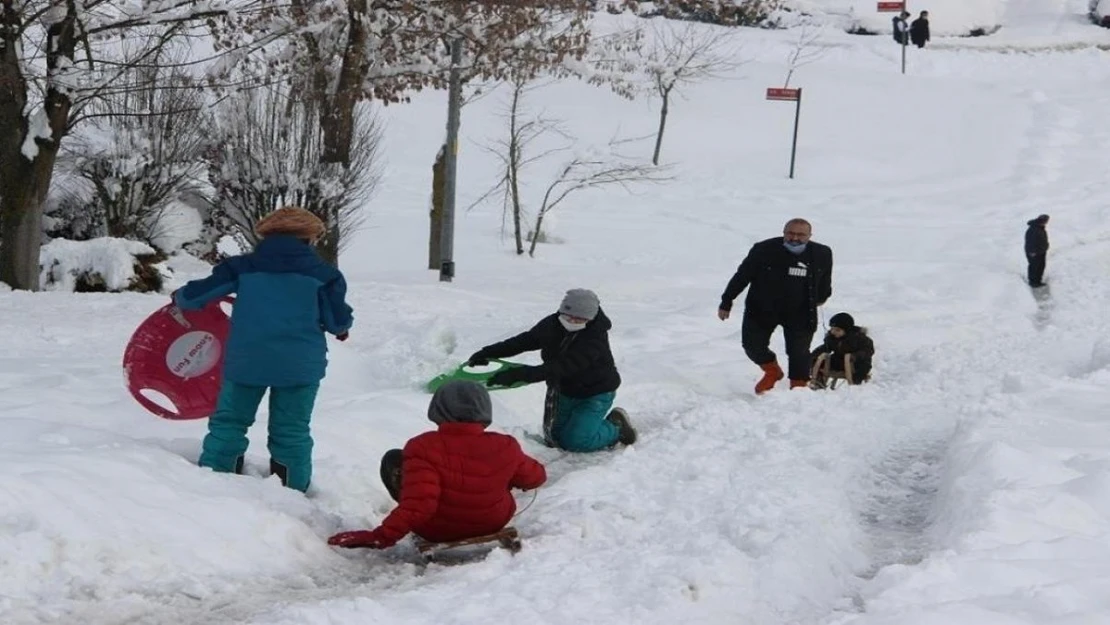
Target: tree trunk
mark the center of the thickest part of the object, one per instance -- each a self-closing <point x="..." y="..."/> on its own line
<point x="24" y="181"/>
<point x="435" y="226"/>
<point x="514" y="188"/>
<point x="337" y="120"/>
<point x="514" y="166"/>
<point x="536" y="233"/>
<point x="21" y="206"/>
<point x="662" y="125"/>
<point x="328" y="247"/>
<point x="337" y="115"/>
<point x="21" y="225"/>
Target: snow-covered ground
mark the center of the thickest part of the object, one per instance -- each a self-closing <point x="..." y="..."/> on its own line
<point x="968" y="483"/>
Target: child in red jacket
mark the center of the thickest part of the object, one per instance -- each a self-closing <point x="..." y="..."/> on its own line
<point x="453" y="483"/>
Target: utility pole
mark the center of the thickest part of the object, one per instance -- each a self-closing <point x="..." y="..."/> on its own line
<point x="450" y="161"/>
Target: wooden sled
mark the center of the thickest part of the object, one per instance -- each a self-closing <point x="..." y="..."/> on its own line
<point x="458" y="551"/>
<point x="823" y="376"/>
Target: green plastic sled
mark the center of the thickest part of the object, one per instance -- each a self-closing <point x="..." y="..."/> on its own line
<point x="463" y="372"/>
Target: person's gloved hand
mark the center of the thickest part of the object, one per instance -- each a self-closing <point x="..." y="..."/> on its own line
<point x="509" y="377"/>
<point x="370" y="539"/>
<point x="478" y="359"/>
<point x="342" y="337"/>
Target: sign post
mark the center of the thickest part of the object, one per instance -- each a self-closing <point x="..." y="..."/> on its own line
<point x="789" y="95"/>
<point x="897" y="7"/>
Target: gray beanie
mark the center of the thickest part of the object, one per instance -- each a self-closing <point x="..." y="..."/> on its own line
<point x="580" y="303"/>
<point x="460" y="401"/>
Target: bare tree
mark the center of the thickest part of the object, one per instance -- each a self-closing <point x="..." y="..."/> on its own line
<point x="678" y="56"/>
<point x="384" y="50"/>
<point x="141" y="149"/>
<point x="804" y="52"/>
<point x="347" y="51"/>
<point x="54" y="56"/>
<point x="514" y="153"/>
<point x="268" y="153"/>
<point x="592" y="171"/>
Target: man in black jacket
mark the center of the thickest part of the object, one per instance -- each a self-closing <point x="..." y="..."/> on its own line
<point x="919" y="30"/>
<point x="790" y="276"/>
<point x="1036" y="249"/>
<point x="579" y="370"/>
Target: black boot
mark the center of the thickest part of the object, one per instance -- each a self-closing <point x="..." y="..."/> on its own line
<point x="280" y="470"/>
<point x="619" y="418"/>
<point x="239" y="465"/>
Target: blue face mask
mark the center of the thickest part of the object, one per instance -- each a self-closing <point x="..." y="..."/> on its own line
<point x="794" y="247"/>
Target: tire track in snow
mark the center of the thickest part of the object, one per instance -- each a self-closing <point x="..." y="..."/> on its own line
<point x="898" y="511"/>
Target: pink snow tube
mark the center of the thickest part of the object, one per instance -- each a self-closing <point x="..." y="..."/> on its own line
<point x="179" y="356"/>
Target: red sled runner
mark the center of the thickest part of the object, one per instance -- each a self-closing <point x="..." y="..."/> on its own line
<point x="180" y="355"/>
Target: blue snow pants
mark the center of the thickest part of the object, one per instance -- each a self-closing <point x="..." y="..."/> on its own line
<point x="289" y="441"/>
<point x="580" y="423"/>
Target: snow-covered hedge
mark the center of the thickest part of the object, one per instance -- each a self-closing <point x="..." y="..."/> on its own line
<point x="724" y="12"/>
<point x="97" y="265"/>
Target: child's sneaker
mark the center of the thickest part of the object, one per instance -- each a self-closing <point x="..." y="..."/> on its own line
<point x="619" y="418"/>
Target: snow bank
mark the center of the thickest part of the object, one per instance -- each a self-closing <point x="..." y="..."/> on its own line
<point x="63" y="262"/>
<point x="54" y="507"/>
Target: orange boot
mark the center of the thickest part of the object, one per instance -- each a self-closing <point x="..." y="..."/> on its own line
<point x="772" y="373"/>
<point x="799" y="383"/>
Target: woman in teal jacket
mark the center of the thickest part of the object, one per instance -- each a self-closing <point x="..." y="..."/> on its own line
<point x="287" y="298"/>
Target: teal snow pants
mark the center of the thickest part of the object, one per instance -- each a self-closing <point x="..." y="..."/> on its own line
<point x="289" y="441"/>
<point x="580" y="423"/>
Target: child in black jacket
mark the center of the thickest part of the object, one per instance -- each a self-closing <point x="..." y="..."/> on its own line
<point x="578" y="367"/>
<point x="845" y="338"/>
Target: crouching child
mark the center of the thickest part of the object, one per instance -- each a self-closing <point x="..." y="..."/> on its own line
<point x="452" y="483"/>
<point x="579" y="371"/>
<point x="847" y="350"/>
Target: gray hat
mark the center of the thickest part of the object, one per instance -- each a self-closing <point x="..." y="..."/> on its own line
<point x="460" y="401"/>
<point x="580" y="303"/>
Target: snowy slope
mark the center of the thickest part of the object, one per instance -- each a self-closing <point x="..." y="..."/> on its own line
<point x="969" y="483"/>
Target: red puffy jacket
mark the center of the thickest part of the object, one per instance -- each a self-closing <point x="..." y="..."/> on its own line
<point x="455" y="484"/>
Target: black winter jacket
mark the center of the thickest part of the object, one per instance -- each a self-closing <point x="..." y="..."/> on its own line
<point x="919" y="32"/>
<point x="855" y="342"/>
<point x="901" y="30"/>
<point x="766" y="270"/>
<point x="1036" y="239"/>
<point x="578" y="364"/>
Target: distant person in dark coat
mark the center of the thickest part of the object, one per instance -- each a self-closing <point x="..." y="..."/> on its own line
<point x="919" y="30"/>
<point x="1036" y="249"/>
<point x="901" y="28"/>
